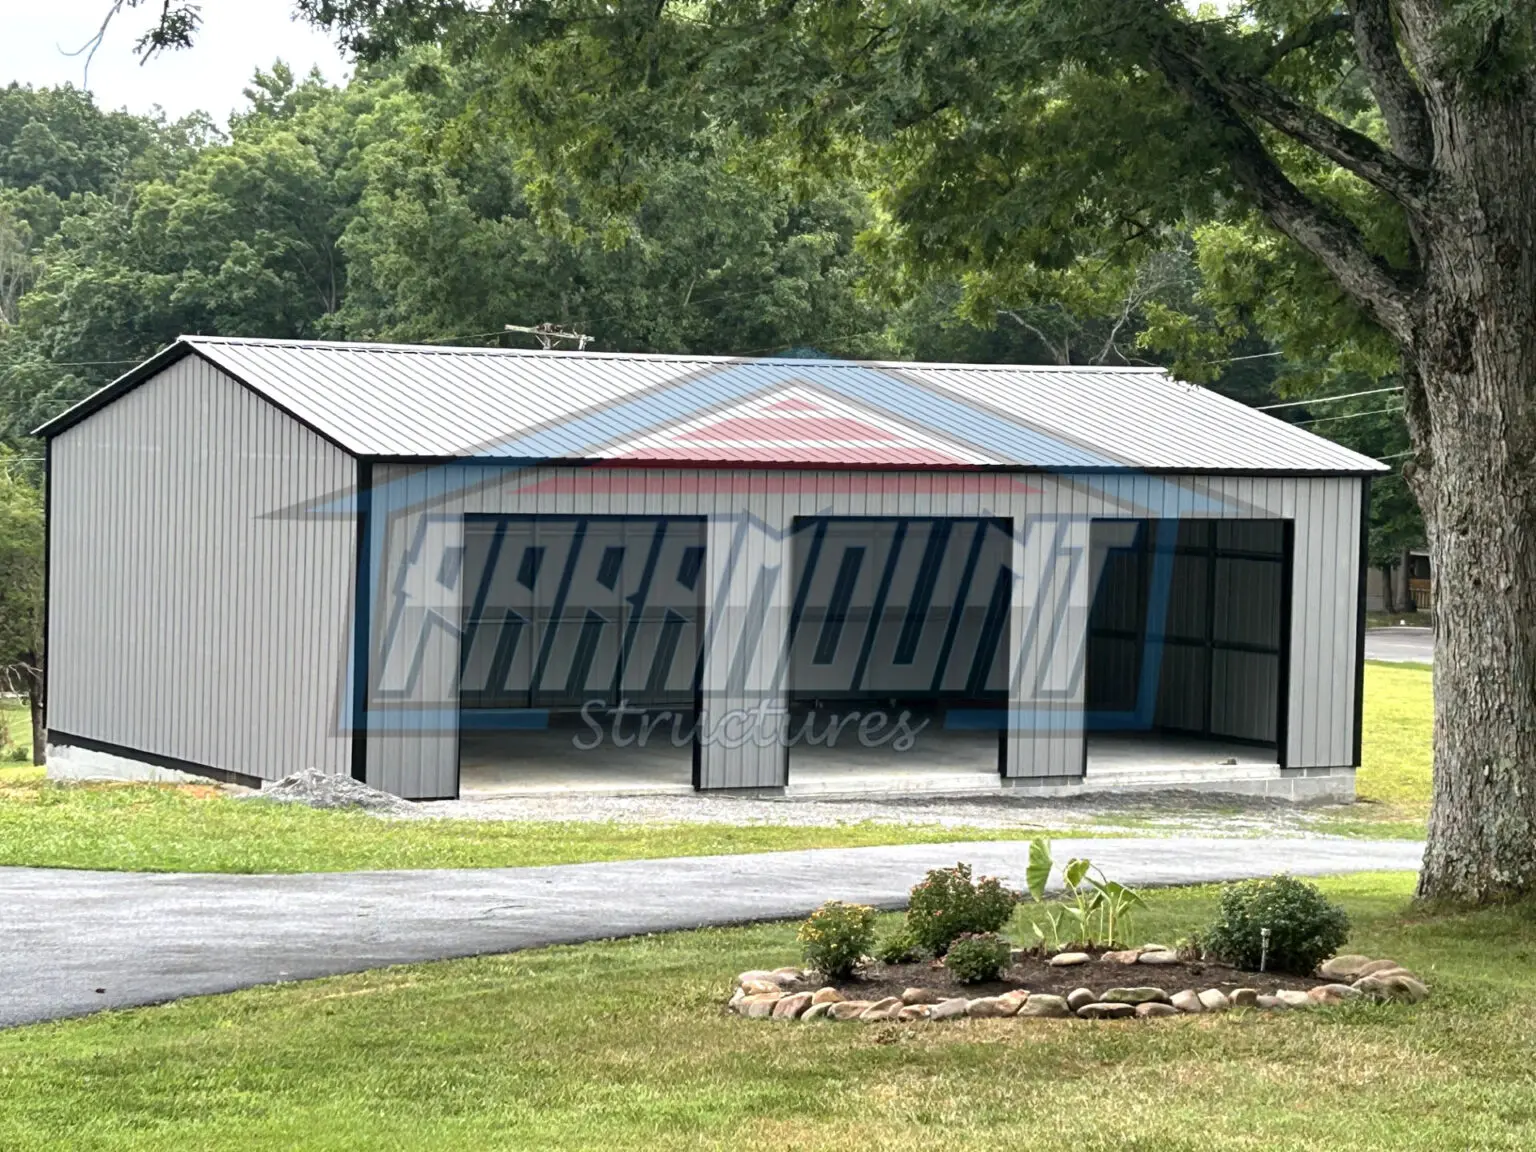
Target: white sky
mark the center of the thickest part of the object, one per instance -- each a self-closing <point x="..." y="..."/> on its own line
<point x="238" y="36"/>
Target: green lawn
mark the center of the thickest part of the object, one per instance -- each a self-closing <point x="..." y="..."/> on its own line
<point x="192" y="829"/>
<point x="1394" y="779"/>
<point x="623" y="1045"/>
<point x="15" y="723"/>
<point x="164" y="828"/>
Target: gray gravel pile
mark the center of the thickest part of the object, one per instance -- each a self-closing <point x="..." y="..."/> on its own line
<point x="320" y="790"/>
<point x="1207" y="813"/>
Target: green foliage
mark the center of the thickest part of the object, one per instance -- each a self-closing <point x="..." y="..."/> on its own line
<point x="1396" y="522"/>
<point x="21" y="573"/>
<point x="57" y="141"/>
<point x="899" y="947"/>
<point x="1045" y="189"/>
<point x="21" y="594"/>
<point x="379" y="212"/>
<point x="836" y="937"/>
<point x="948" y="903"/>
<point x="1305" y="927"/>
<point x="976" y="957"/>
<point x="1098" y="910"/>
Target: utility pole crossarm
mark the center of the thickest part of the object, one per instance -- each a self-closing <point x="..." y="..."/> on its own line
<point x="548" y="334"/>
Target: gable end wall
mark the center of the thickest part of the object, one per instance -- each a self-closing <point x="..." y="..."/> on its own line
<point x="194" y="613"/>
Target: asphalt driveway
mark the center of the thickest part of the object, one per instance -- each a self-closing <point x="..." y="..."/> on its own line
<point x="73" y="942"/>
<point x="1400" y="645"/>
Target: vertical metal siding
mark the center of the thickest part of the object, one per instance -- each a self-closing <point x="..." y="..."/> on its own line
<point x="196" y="612"/>
<point x="1050" y="609"/>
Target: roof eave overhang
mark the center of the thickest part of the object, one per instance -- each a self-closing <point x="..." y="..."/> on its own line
<point x="430" y="459"/>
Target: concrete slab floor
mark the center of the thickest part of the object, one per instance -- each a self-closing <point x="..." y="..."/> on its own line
<point x="502" y="763"/>
<point x="1127" y="751"/>
<point x="563" y="760"/>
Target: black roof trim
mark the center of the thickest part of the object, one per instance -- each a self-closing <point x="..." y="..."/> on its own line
<point x="161" y="360"/>
<point x="786" y="466"/>
<point x="100" y="398"/>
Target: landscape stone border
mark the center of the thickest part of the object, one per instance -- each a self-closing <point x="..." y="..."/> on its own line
<point x="760" y="994"/>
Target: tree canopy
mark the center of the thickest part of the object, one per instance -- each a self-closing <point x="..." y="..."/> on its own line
<point x="411" y="205"/>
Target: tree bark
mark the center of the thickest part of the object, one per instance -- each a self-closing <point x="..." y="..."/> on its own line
<point x="39" y="719"/>
<point x="1474" y="434"/>
<point x="1482" y="828"/>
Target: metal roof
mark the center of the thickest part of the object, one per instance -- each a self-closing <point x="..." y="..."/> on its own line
<point x="414" y="401"/>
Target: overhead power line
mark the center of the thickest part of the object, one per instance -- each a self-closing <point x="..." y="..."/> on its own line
<point x="1348" y="416"/>
<point x="78" y="363"/>
<point x="460" y="339"/>
<point x="49" y="364"/>
<point x="1240" y="359"/>
<point x="1326" y="399"/>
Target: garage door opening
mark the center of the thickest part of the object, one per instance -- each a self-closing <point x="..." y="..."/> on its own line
<point x="898" y="652"/>
<point x="579" y="659"/>
<point x="1188" y="647"/>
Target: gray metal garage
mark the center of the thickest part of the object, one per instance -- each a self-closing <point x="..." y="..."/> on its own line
<point x="452" y="571"/>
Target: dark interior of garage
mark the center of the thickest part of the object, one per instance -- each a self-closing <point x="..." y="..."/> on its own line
<point x="1189" y="629"/>
<point x="899" y="647"/>
<point x="579" y="654"/>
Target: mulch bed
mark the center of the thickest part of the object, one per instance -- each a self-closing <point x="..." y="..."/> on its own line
<point x="1035" y="975"/>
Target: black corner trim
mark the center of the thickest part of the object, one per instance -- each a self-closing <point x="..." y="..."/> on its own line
<point x="47" y="573"/>
<point x="1365" y="567"/>
<point x="223" y="775"/>
<point x="1283" y="686"/>
<point x="362" y="618"/>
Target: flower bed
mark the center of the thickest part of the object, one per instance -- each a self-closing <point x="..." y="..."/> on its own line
<point x="1150" y="982"/>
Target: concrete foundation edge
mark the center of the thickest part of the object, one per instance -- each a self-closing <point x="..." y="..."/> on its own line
<point x="1320" y="785"/>
<point x="75" y="758"/>
<point x="69" y="763"/>
<point x="1335" y="785"/>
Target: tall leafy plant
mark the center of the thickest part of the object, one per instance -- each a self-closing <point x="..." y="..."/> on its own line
<point x="1097" y="910"/>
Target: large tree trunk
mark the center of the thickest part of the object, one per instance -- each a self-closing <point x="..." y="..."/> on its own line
<point x="1482" y="826"/>
<point x="1474" y="428"/>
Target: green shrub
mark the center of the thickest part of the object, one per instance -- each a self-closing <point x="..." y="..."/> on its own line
<point x="836" y="936"/>
<point x="1305" y="927"/>
<point x="974" y="957"/>
<point x="899" y="948"/>
<point x="948" y="903"/>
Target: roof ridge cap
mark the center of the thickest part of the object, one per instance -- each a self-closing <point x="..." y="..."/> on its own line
<point x="366" y="346"/>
